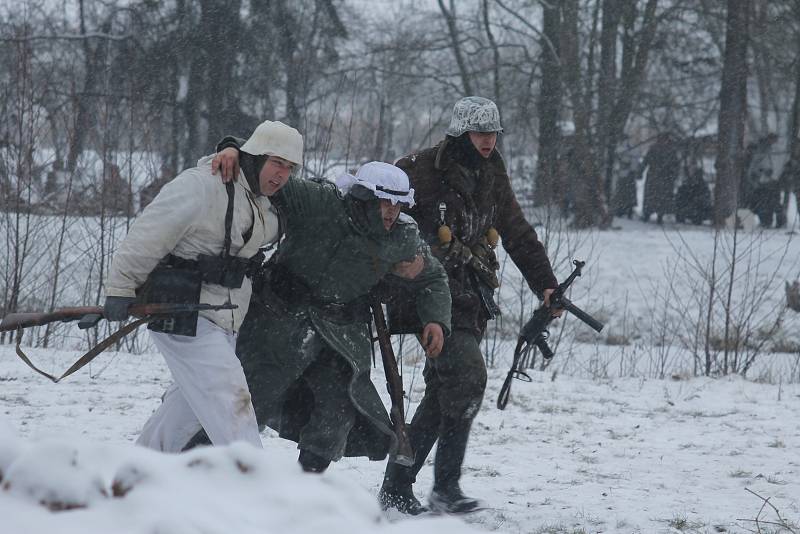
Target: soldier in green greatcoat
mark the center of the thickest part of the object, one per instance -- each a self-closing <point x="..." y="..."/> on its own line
<point x="305" y="344"/>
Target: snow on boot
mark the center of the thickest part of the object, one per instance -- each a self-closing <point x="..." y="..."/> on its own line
<point x="453" y="501"/>
<point x="402" y="500"/>
<point x="397" y="493"/>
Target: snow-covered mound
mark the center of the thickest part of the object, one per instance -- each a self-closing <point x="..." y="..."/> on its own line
<point x="81" y="487"/>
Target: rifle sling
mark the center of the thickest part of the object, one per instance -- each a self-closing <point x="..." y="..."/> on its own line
<point x="90" y="355"/>
<point x="27" y="361"/>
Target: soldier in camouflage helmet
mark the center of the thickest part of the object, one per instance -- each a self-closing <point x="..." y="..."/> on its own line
<point x="464" y="204"/>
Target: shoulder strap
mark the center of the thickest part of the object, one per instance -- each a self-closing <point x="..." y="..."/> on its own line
<point x="226" y="248"/>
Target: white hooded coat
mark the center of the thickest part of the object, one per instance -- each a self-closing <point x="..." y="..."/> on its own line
<point x="187" y="218"/>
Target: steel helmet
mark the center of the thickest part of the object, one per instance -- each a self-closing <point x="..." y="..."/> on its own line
<point x="474" y="114"/>
<point x="274" y="138"/>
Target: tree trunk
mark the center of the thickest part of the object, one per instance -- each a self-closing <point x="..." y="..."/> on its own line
<point x="547" y="176"/>
<point x="790" y="174"/>
<point x="287" y="45"/>
<point x="591" y="207"/>
<point x="220" y="42"/>
<point x="192" y="105"/>
<point x="732" y="112"/>
<point x="607" y="86"/>
<point x="634" y="65"/>
<point x="495" y="56"/>
<point x="452" y="30"/>
<point x="93" y="69"/>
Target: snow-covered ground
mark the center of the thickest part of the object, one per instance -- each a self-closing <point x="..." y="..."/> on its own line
<point x="567" y="455"/>
<point x="598" y="442"/>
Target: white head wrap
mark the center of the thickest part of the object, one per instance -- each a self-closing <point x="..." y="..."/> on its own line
<point x="383" y="179"/>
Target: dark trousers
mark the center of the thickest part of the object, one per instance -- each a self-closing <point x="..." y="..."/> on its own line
<point x="333" y="414"/>
<point x="320" y="371"/>
<point x="454" y="386"/>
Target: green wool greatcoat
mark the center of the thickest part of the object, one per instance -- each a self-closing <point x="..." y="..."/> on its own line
<point x="332" y="255"/>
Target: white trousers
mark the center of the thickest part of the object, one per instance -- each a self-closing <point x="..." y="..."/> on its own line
<point x="209" y="391"/>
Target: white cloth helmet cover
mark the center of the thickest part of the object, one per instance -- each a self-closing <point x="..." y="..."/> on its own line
<point x="474" y="114"/>
<point x="274" y="138"/>
<point x="384" y="180"/>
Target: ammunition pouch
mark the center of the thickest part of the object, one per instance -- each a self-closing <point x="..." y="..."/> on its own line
<point x="227" y="271"/>
<point x="480" y="258"/>
<point x="483" y="266"/>
<point x="174" y="281"/>
<point x="484" y="271"/>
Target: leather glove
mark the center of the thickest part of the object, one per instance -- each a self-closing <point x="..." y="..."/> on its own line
<point x="116" y="308"/>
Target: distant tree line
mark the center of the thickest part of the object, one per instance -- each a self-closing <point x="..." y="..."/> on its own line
<point x="583" y="86"/>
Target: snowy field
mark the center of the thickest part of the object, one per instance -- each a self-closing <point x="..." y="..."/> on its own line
<point x="615" y="436"/>
<point x="567" y="455"/>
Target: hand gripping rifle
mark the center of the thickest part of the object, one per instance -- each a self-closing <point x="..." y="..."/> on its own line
<point x="89" y="316"/>
<point x="394" y="383"/>
<point x="535" y="333"/>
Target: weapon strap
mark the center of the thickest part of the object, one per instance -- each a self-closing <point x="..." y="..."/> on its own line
<point x="505" y="391"/>
<point x="226" y="247"/>
<point x="89" y="356"/>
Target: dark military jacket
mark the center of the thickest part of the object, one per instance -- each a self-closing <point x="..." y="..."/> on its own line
<point x="437" y="177"/>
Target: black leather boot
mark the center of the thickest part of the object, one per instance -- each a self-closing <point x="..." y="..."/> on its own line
<point x="397" y="493"/>
<point x="447" y="496"/>
<point x="312" y="463"/>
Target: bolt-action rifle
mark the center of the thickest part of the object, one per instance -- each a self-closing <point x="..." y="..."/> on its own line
<point x="89" y="316"/>
<point x="394" y="383"/>
<point x="535" y="334"/>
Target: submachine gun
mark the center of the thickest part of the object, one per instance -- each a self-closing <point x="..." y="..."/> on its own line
<point x="535" y="334"/>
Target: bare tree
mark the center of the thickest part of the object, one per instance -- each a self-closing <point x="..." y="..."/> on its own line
<point x="455" y="42"/>
<point x="591" y="207"/>
<point x="549" y="182"/>
<point x="732" y="112"/>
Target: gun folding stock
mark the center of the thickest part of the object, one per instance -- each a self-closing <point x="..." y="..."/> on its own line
<point x="596" y="325"/>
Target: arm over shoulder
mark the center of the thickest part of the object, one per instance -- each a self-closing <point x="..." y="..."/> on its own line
<point x="430" y="288"/>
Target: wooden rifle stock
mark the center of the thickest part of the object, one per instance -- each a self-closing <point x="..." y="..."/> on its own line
<point x="394" y="383"/>
<point x="89" y="316"/>
<point x="14" y="321"/>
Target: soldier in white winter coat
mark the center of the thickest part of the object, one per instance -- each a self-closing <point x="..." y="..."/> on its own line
<point x="196" y="242"/>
